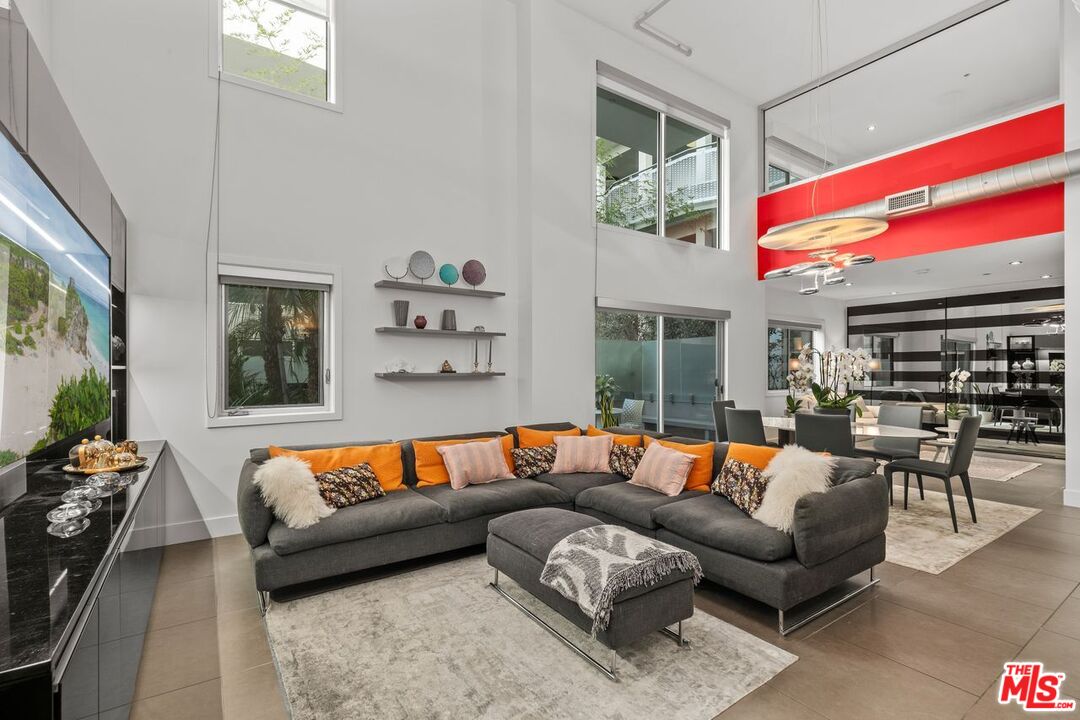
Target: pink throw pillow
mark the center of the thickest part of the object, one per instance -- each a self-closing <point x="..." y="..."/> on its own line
<point x="475" y="463"/>
<point x="663" y="469"/>
<point x="582" y="454"/>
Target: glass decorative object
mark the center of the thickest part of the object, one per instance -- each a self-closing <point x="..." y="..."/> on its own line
<point x="69" y="511"/>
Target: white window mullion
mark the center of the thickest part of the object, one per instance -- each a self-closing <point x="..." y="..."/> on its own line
<point x="659" y="373"/>
<point x="661" y="176"/>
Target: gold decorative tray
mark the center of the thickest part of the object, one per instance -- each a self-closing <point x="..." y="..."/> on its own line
<point x="139" y="462"/>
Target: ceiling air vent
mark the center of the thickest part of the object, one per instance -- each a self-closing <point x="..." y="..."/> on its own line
<point x="908" y="200"/>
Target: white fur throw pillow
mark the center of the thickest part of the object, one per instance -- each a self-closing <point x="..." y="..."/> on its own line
<point x="792" y="473"/>
<point x="289" y="489"/>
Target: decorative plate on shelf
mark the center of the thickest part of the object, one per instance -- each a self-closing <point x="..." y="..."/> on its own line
<point x="421" y="264"/>
<point x="448" y="274"/>
<point x="139" y="462"/>
<point x="474" y="272"/>
<point x="396" y="268"/>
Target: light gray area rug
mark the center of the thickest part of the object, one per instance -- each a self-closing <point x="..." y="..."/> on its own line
<point x="922" y="536"/>
<point x="439" y="643"/>
<point x="989" y="467"/>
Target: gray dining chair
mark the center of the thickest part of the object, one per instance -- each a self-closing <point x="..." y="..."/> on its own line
<point x="957" y="466"/>
<point x="745" y="426"/>
<point x="825" y="433"/>
<point x="720" y="418"/>
<point x="893" y="448"/>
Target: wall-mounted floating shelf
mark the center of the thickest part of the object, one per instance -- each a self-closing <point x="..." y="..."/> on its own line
<point x="438" y="333"/>
<point x="433" y="288"/>
<point x="438" y="376"/>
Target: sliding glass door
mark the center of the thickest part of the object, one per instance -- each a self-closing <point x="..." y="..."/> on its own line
<point x="667" y="386"/>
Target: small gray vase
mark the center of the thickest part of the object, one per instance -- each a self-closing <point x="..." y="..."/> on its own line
<point x="449" y="320"/>
<point x="401" y="312"/>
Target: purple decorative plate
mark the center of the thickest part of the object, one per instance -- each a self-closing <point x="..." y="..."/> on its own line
<point x="474" y="272"/>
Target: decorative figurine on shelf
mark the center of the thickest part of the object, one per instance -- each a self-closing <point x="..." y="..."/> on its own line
<point x="420" y="322"/>
<point x="447" y="367"/>
<point x="399" y="366"/>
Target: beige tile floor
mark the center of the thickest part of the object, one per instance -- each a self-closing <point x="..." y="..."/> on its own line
<point x="916" y="646"/>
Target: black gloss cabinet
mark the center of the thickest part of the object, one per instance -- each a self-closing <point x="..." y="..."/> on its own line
<point x="78" y="608"/>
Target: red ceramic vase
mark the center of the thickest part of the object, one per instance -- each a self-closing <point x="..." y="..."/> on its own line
<point x="420" y="322"/>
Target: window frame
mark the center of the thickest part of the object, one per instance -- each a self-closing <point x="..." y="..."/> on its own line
<point x="814" y="326"/>
<point x="330" y="361"/>
<point x="665" y="110"/>
<point x="333" y="59"/>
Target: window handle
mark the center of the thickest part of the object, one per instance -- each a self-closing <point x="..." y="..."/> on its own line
<point x="327" y="376"/>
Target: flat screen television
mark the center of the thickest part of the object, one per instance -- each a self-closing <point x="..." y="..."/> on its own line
<point x="54" y="307"/>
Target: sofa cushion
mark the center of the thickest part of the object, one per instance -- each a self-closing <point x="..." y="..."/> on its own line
<point x="408" y="452"/>
<point x="714" y="521"/>
<point x="513" y="430"/>
<point x="702" y="471"/>
<point x="385" y="460"/>
<point x="574" y="483"/>
<point x="402" y="510"/>
<point x="538" y="530"/>
<point x="497" y="497"/>
<point x="846" y="469"/>
<point x="262" y="454"/>
<point x="628" y="502"/>
<point x="430" y="464"/>
<point x="720" y="449"/>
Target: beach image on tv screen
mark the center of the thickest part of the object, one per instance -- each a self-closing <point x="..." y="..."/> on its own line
<point x="54" y="305"/>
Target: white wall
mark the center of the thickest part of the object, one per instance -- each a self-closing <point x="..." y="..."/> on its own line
<point x="467" y="130"/>
<point x="1070" y="95"/>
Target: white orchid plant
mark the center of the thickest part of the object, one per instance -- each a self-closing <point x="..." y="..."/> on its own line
<point x="837" y="371"/>
<point x="957" y="380"/>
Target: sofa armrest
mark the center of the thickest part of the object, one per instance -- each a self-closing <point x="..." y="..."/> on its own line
<point x="255" y="518"/>
<point x="828" y="524"/>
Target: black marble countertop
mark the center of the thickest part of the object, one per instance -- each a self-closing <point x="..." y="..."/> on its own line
<point x="44" y="579"/>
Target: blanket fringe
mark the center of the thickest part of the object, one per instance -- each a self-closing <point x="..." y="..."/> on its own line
<point x="643" y="573"/>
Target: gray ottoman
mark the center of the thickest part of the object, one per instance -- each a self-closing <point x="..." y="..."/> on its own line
<point x="518" y="545"/>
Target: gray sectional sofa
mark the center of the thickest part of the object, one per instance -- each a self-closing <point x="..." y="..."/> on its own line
<point x="836" y="535"/>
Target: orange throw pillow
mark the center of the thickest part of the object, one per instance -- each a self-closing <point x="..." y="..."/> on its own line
<point x="430" y="468"/>
<point x="757" y="455"/>
<point x="527" y="437"/>
<point x="629" y="440"/>
<point x="701" y="475"/>
<point x="385" y="461"/>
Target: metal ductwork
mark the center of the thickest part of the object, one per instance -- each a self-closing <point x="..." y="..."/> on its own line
<point x="1015" y="178"/>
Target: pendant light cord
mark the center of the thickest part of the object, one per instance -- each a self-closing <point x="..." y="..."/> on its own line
<point x="819" y="61"/>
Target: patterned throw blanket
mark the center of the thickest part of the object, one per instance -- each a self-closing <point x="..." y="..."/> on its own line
<point x="594" y="565"/>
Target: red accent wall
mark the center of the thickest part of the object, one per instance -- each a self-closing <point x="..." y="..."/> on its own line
<point x="1032" y="212"/>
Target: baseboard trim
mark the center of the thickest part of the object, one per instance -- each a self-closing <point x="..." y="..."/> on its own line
<point x="192" y="530"/>
<point x="1071" y="497"/>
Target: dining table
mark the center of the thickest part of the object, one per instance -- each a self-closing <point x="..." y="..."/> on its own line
<point x="861" y="430"/>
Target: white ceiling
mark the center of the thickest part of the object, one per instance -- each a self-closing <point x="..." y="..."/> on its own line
<point x="950" y="271"/>
<point x="1001" y="61"/>
<point x="761" y="48"/>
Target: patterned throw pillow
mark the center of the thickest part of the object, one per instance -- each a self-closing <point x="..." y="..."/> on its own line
<point x="532" y="461"/>
<point x="742" y="483"/>
<point x="625" y="459"/>
<point x="349" y="485"/>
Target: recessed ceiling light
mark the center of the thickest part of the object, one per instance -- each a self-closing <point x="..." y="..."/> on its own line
<point x="967" y="75"/>
<point x="1016" y="262"/>
<point x="871" y="128"/>
<point x="922" y="271"/>
<point x="1047" y="277"/>
<point x="893" y="292"/>
<point x="985" y="274"/>
<point x="848" y="284"/>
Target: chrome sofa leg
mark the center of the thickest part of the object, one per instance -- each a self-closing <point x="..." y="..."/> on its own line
<point x="784" y="630"/>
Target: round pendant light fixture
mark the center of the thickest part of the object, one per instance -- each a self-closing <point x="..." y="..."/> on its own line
<point x="822" y="234"/>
